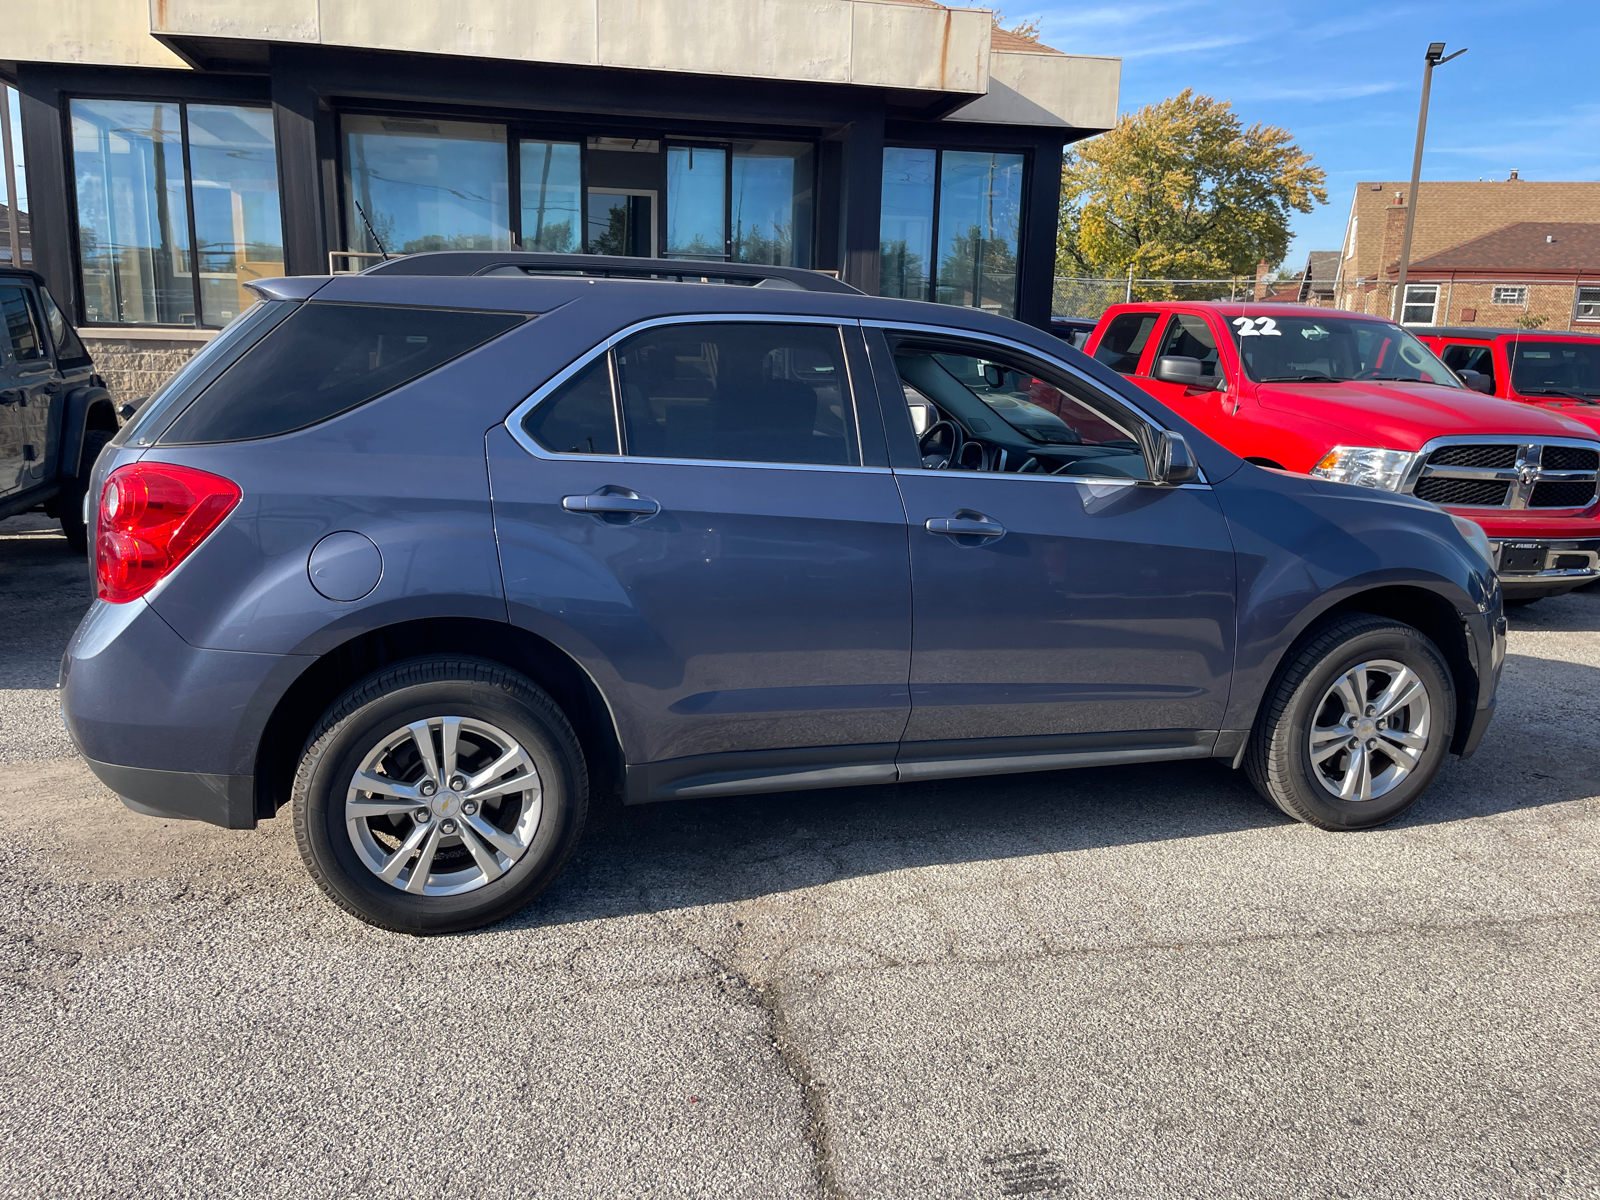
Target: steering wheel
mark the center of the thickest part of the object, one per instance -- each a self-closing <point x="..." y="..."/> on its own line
<point x="940" y="445"/>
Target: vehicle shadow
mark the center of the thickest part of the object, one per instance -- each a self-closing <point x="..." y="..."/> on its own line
<point x="701" y="852"/>
<point x="44" y="592"/>
<point x="1576" y="612"/>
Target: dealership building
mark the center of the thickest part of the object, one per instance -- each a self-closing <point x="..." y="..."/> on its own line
<point x="172" y="151"/>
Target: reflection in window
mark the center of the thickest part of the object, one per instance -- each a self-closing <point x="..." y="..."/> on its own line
<point x="133" y="216"/>
<point x="426" y="185"/>
<point x="697" y="225"/>
<point x="15" y="207"/>
<point x="552" y="197"/>
<point x="238" y="230"/>
<point x="980" y="217"/>
<point x="905" y="238"/>
<point x="771" y="203"/>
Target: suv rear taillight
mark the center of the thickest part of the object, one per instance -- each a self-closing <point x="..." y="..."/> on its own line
<point x="151" y="516"/>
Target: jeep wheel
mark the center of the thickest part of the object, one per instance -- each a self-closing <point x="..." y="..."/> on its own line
<point x="439" y="795"/>
<point x="71" y="500"/>
<point x="1355" y="725"/>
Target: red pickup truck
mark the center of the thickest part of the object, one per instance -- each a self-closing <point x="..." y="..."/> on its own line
<point x="1360" y="400"/>
<point x="1559" y="371"/>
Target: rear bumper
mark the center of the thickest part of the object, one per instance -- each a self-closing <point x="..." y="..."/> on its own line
<point x="1545" y="566"/>
<point x="226" y="800"/>
<point x="171" y="728"/>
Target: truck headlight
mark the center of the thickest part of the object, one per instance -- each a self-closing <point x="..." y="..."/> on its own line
<point x="1366" y="466"/>
<point x="1476" y="538"/>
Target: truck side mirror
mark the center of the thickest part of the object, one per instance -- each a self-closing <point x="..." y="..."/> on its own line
<point x="1180" y="368"/>
<point x="1477" y="381"/>
<point x="1174" y="464"/>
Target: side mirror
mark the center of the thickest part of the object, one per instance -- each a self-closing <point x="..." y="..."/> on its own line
<point x="128" y="408"/>
<point x="1180" y="368"/>
<point x="993" y="375"/>
<point x="1174" y="464"/>
<point x="1477" y="381"/>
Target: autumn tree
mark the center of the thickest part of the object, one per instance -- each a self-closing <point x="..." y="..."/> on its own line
<point x="1181" y="190"/>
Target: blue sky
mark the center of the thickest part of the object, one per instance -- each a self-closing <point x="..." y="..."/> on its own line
<point x="1345" y="80"/>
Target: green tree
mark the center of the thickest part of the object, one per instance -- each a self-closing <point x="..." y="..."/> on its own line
<point x="1181" y="190"/>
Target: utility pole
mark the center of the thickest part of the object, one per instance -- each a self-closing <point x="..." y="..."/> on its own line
<point x="1433" y="58"/>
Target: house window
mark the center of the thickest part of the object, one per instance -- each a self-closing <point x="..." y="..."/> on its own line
<point x="1422" y="300"/>
<point x="1588" y="304"/>
<point x="177" y="209"/>
<point x="1510" y="295"/>
<point x="951" y="226"/>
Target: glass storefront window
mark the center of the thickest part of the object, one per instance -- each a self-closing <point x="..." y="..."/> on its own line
<point x="552" y="197"/>
<point x="771" y="203"/>
<point x="237" y="226"/>
<point x="426" y="185"/>
<point x="974" y="201"/>
<point x="905" y="238"/>
<point x="980" y="217"/>
<point x="133" y="212"/>
<point x="697" y="202"/>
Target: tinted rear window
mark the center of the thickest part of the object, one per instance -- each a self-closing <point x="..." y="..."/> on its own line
<point x="326" y="359"/>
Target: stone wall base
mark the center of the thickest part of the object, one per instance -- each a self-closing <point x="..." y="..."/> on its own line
<point x="135" y="363"/>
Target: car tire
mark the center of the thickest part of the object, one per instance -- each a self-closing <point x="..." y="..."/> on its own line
<point x="491" y="847"/>
<point x="71" y="501"/>
<point x="1312" y="756"/>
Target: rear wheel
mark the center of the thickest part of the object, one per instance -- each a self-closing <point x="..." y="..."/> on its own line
<point x="439" y="795"/>
<point x="71" y="500"/>
<point x="1355" y="726"/>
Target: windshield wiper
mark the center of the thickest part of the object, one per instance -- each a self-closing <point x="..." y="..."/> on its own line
<point x="1568" y="393"/>
<point x="1395" y="379"/>
<point x="1301" y="379"/>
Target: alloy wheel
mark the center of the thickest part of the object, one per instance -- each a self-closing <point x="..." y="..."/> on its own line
<point x="1370" y="730"/>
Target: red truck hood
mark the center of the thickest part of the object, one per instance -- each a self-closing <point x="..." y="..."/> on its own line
<point x="1402" y="416"/>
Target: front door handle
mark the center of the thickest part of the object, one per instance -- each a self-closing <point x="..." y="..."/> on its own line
<point x="611" y="503"/>
<point x="972" y="525"/>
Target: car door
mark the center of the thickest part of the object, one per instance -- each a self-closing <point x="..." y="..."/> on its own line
<point x="703" y="517"/>
<point x="1084" y="610"/>
<point x="1470" y="356"/>
<point x="13" y="419"/>
<point x="35" y="384"/>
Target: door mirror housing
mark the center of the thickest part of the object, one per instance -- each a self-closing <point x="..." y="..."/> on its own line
<point x="993" y="375"/>
<point x="1477" y="381"/>
<point x="1180" y="368"/>
<point x="1174" y="464"/>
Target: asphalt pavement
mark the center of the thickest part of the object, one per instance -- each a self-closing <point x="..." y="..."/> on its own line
<point x="1135" y="982"/>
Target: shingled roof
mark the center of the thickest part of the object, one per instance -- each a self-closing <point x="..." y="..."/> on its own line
<point x="1528" y="246"/>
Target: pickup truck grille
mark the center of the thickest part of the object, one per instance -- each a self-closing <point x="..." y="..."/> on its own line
<point x="1508" y="473"/>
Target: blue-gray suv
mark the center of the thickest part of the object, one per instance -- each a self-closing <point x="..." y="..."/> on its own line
<point x="433" y="554"/>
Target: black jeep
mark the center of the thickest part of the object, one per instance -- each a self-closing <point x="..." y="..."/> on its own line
<point x="55" y="412"/>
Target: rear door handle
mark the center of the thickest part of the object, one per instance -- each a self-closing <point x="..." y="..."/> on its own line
<point x="606" y="503"/>
<point x="975" y="526"/>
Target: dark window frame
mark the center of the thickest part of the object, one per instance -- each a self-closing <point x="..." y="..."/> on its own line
<point x="1024" y="212"/>
<point x="79" y="314"/>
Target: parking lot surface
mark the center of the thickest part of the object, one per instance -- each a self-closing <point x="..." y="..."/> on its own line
<point x="1135" y="982"/>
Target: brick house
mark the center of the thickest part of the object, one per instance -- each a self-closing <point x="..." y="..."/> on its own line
<point x="1452" y="215"/>
<point x="1545" y="274"/>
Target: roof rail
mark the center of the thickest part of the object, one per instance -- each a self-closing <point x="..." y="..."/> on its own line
<point x="605" y="266"/>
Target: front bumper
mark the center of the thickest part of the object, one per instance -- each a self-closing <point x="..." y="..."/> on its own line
<point x="1545" y="567"/>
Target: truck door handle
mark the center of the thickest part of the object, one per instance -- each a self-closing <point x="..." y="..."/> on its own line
<point x="618" y="503"/>
<point x="9" y="395"/>
<point x="974" y="525"/>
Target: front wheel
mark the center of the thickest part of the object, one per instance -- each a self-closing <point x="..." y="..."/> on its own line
<point x="1355" y="725"/>
<point x="439" y="795"/>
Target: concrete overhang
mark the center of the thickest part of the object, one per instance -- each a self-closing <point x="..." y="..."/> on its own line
<point x="926" y="58"/>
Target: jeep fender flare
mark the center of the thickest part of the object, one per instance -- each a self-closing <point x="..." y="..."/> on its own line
<point x="88" y="407"/>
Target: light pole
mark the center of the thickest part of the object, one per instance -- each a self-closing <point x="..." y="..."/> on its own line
<point x="1434" y="57"/>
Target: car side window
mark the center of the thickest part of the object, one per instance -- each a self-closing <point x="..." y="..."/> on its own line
<point x="974" y="410"/>
<point x="1124" y="341"/>
<point x="579" y="417"/>
<point x="1190" y="337"/>
<point x="1470" y="358"/>
<point x="737" y="392"/>
<point x="21" y="326"/>
<point x="69" y="348"/>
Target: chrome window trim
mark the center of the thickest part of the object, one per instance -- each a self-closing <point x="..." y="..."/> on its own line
<point x="513" y="422"/>
<point x="1097" y="480"/>
<point x="1520" y="493"/>
<point x="1024" y="348"/>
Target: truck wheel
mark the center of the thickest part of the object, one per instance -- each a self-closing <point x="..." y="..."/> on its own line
<point x="71" y="501"/>
<point x="439" y="795"/>
<point x="1355" y="724"/>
